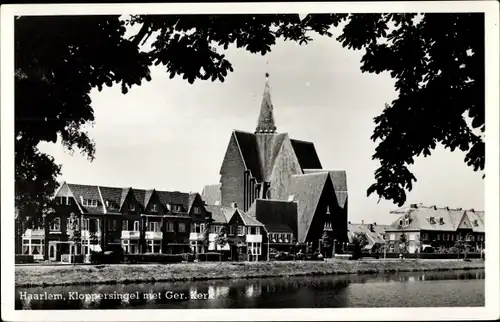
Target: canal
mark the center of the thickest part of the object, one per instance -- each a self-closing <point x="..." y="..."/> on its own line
<point x="418" y="289"/>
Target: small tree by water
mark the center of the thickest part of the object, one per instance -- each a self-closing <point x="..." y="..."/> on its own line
<point x="359" y="241"/>
<point x="221" y="241"/>
<point x="74" y="234"/>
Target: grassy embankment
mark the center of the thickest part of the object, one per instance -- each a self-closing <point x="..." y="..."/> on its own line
<point x="38" y="275"/>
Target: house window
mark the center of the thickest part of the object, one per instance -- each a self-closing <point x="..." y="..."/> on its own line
<point x="197" y="210"/>
<point x="231" y="230"/>
<point x="153" y="226"/>
<point x="182" y="227"/>
<point x="411" y="236"/>
<point x="425" y="236"/>
<point x="170" y="226"/>
<point x="154" y="208"/>
<point x="401" y="222"/>
<point x="90" y="202"/>
<point x="392" y="237"/>
<point x="154" y="246"/>
<point x="136" y="225"/>
<point x="438" y="236"/>
<point x="56" y="224"/>
<point x="131" y="207"/>
<point x="85" y="224"/>
<point x="241" y="230"/>
<point x="112" y="225"/>
<point x="257" y="230"/>
<point x="202" y="228"/>
<point x="452" y="237"/>
<point x="125" y="225"/>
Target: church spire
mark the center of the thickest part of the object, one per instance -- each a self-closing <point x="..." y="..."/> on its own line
<point x="265" y="124"/>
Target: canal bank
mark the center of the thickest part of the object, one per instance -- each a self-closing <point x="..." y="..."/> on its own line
<point x="40" y="275"/>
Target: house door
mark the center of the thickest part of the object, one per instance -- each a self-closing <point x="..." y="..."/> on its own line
<point x="52" y="252"/>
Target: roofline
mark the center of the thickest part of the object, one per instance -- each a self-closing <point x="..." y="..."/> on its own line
<point x="102" y="200"/>
<point x="241" y="153"/>
<point x="310" y="174"/>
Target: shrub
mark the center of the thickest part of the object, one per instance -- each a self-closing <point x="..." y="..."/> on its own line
<point x="154" y="258"/>
<point x="20" y="259"/>
<point x="106" y="257"/>
<point x="209" y="257"/>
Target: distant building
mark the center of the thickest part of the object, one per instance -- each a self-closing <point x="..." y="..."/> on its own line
<point x="280" y="182"/>
<point x="374" y="234"/>
<point x="438" y="227"/>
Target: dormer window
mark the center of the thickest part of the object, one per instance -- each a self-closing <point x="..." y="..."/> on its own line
<point x="89" y="202"/>
<point x="476" y="223"/>
<point x="154" y="208"/>
<point x="441" y="220"/>
<point x="197" y="210"/>
<point x="432" y="220"/>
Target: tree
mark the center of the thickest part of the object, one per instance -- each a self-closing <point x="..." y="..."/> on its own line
<point x="359" y="241"/>
<point x="74" y="234"/>
<point x="326" y="240"/>
<point x="437" y="61"/>
<point x="403" y="244"/>
<point x="221" y="241"/>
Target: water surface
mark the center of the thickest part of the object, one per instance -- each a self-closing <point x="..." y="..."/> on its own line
<point x="416" y="289"/>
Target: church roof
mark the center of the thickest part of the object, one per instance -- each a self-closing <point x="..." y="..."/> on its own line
<point x="307" y="190"/>
<point x="211" y="194"/>
<point x="249" y="152"/>
<point x="275" y="215"/>
<point x="339" y="180"/>
<point x="306" y="154"/>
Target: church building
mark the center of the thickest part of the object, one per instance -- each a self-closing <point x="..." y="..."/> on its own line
<point x="280" y="182"/>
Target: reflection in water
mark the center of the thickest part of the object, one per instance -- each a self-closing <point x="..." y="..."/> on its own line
<point x="463" y="288"/>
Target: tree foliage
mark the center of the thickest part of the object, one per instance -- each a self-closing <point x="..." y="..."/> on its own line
<point x="437" y="61"/>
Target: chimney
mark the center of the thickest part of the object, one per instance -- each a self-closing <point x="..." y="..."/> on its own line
<point x="362" y="222"/>
<point x="472" y="210"/>
<point x="374" y="224"/>
<point x="434" y="207"/>
<point x="234" y="205"/>
<point x="349" y="222"/>
<point x="371" y="228"/>
<point x="413" y="205"/>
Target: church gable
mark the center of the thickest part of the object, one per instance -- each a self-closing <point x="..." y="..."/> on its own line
<point x="306" y="190"/>
<point x="232" y="174"/>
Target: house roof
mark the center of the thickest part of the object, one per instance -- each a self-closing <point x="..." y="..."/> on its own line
<point x="307" y="190"/>
<point x="248" y="220"/>
<point x="191" y="199"/>
<point x="374" y="237"/>
<point x="118" y="196"/>
<point x="87" y="192"/>
<point x="420" y="218"/>
<point x="211" y="194"/>
<point x="476" y="217"/>
<point x="275" y="215"/>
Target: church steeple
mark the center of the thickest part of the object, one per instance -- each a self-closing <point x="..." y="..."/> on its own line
<point x="265" y="124"/>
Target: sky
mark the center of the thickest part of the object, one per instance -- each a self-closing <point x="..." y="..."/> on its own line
<point x="168" y="134"/>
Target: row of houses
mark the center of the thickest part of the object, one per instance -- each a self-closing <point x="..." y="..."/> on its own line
<point x="423" y="226"/>
<point x="158" y="222"/>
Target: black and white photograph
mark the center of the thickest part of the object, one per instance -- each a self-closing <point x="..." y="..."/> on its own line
<point x="170" y="162"/>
